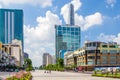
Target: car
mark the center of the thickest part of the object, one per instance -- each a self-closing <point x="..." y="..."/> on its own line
<point x="16" y="70"/>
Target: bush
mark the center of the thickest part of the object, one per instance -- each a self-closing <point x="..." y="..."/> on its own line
<point x="22" y="75"/>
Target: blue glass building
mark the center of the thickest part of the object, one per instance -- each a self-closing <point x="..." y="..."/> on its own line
<point x="11" y="25"/>
<point x="67" y="38"/>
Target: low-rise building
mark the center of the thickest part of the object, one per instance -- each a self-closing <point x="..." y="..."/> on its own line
<point x="95" y="54"/>
<point x="14" y="51"/>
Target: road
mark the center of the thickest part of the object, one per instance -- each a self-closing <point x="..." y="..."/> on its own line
<point x="4" y="75"/>
<point x="55" y="75"/>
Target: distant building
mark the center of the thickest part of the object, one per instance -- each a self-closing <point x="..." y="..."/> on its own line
<point x="71" y="15"/>
<point x="47" y="59"/>
<point x="95" y="54"/>
<point x="53" y="59"/>
<point x="11" y="25"/>
<point x="26" y="55"/>
<point x="67" y="38"/>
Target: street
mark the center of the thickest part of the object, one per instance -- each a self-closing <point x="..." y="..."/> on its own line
<point x="55" y="75"/>
<point x="4" y="75"/>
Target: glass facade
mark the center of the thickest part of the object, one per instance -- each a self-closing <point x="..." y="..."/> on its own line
<point x="11" y="25"/>
<point x="67" y="38"/>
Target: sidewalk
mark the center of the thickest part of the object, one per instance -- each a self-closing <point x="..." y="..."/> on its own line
<point x="85" y="72"/>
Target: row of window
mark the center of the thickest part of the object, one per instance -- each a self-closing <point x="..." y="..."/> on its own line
<point x="69" y="28"/>
<point x="111" y="51"/>
<point x="80" y="59"/>
<point x="67" y="33"/>
<point x="92" y="44"/>
<point x="80" y="63"/>
<point x="110" y="46"/>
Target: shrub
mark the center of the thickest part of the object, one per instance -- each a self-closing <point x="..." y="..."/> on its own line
<point x="22" y="75"/>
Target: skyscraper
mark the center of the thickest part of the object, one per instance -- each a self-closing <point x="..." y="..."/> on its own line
<point x="67" y="38"/>
<point x="11" y="25"/>
<point x="71" y="15"/>
<point x="47" y="59"/>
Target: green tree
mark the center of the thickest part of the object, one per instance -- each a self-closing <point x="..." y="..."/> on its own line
<point x="60" y="62"/>
<point x="28" y="64"/>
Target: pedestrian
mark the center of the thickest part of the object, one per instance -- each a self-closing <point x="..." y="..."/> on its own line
<point x="49" y="71"/>
<point x="45" y="71"/>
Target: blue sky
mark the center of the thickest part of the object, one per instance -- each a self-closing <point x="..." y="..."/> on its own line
<point x="99" y="21"/>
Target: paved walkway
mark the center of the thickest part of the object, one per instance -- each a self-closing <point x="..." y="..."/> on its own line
<point x="55" y="75"/>
<point x="4" y="75"/>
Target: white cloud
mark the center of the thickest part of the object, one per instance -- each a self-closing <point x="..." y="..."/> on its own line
<point x="111" y="3"/>
<point x="109" y="38"/>
<point x="40" y="39"/>
<point x="91" y="20"/>
<point x="0" y="6"/>
<point x="84" y="22"/>
<point x="43" y="3"/>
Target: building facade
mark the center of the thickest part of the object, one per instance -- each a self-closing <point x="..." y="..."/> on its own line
<point x="96" y="54"/>
<point x="26" y="55"/>
<point x="11" y="25"/>
<point x="6" y="59"/>
<point x="67" y="38"/>
<point x="14" y="49"/>
<point x="47" y="59"/>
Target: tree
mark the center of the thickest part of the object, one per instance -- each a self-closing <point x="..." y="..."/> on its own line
<point x="60" y="62"/>
<point x="28" y="64"/>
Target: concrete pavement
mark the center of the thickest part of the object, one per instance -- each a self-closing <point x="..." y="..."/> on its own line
<point x="4" y="75"/>
<point x="55" y="75"/>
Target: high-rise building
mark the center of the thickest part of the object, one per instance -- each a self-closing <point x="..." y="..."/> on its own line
<point x="11" y="25"/>
<point x="67" y="38"/>
<point x="71" y="15"/>
<point x="47" y="59"/>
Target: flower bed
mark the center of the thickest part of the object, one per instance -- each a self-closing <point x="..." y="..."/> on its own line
<point x="22" y="75"/>
<point x="106" y="74"/>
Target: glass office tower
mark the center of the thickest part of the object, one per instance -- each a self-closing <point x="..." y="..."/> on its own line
<point x="67" y="38"/>
<point x="11" y="25"/>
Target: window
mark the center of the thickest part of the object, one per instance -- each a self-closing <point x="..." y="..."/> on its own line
<point x="72" y="33"/>
<point x="90" y="62"/>
<point x="64" y="28"/>
<point x="76" y="29"/>
<point x="91" y="57"/>
<point x="112" y="59"/>
<point x="76" y="33"/>
<point x="59" y="32"/>
<point x="104" y="51"/>
<point x="112" y="46"/>
<point x="91" y="51"/>
<point x="104" y="46"/>
<point x="68" y="29"/>
<point x="98" y="57"/>
<point x="59" y="28"/>
<point x="94" y="44"/>
<point x="72" y="29"/>
<point x="104" y="59"/>
<point x="113" y="51"/>
<point x="98" y="62"/>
